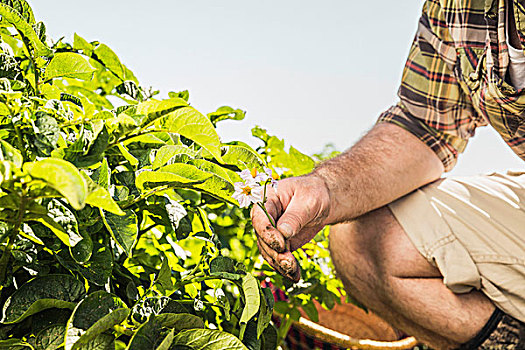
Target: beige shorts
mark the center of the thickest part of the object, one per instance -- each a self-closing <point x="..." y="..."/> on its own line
<point x="473" y="230"/>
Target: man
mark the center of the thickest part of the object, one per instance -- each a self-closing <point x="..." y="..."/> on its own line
<point x="441" y="259"/>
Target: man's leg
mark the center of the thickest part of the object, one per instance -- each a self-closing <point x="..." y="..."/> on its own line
<point x="382" y="269"/>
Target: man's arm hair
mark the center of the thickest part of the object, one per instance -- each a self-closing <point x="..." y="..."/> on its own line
<point x="387" y="163"/>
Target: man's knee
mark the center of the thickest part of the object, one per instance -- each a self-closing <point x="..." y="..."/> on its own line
<point x="353" y="251"/>
<point x="358" y="241"/>
<point x="375" y="244"/>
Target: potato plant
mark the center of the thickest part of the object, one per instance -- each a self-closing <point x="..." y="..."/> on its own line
<point x="117" y="225"/>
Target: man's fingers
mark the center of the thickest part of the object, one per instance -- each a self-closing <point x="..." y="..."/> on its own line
<point x="294" y="218"/>
<point x="297" y="241"/>
<point x="264" y="228"/>
<point x="284" y="263"/>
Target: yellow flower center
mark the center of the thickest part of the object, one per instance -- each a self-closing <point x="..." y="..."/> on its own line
<point x="275" y="176"/>
<point x="254" y="172"/>
<point x="247" y="190"/>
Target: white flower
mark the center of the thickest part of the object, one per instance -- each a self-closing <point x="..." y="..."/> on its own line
<point x="246" y="174"/>
<point x="247" y="193"/>
<point x="270" y="175"/>
<point x="254" y="175"/>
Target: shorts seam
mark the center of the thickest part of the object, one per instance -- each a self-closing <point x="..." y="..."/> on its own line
<point x="497" y="259"/>
<point x="438" y="244"/>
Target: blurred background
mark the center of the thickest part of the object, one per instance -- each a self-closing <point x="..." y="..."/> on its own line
<point x="311" y="72"/>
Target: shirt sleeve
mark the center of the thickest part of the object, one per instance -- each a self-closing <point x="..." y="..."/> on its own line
<point x="432" y="104"/>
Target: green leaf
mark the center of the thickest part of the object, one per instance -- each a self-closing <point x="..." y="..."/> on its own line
<point x="250" y="338"/>
<point x="71" y="98"/>
<point x="10" y="153"/>
<point x="224" y="113"/>
<point x="61" y="176"/>
<point x="80" y="243"/>
<point x="185" y="95"/>
<point x="68" y="65"/>
<point x="80" y="43"/>
<point x="191" y="124"/>
<point x="25" y="29"/>
<point x="110" y="60"/>
<point x="106" y="322"/>
<point x="175" y="175"/>
<point x="175" y="211"/>
<point x="217" y="187"/>
<point x="122" y="125"/>
<point x="99" y="197"/>
<point x="225" y="174"/>
<point x="166" y="342"/>
<point x="223" y="264"/>
<point x="207" y="339"/>
<point x="127" y="155"/>
<point x="151" y="334"/>
<point x="23" y="9"/>
<point x="163" y="281"/>
<point x="227" y="268"/>
<point x="167" y="153"/>
<point x="99" y="267"/>
<point x="41" y="293"/>
<point x="147" y="337"/>
<point x="179" y="321"/>
<point x="103" y="341"/>
<point x="311" y="311"/>
<point x="123" y="229"/>
<point x="14" y="344"/>
<point x="154" y="109"/>
<point x="96" y="99"/>
<point x="47" y="133"/>
<point x="131" y="89"/>
<point x="58" y="230"/>
<point x="95" y="314"/>
<point x="269" y="338"/>
<point x="96" y="146"/>
<point x="50" y="338"/>
<point x="102" y="175"/>
<point x="50" y="91"/>
<point x="250" y="289"/>
<point x="242" y="156"/>
<point x="266" y="310"/>
<point x="180" y="175"/>
<point x="300" y="163"/>
<point x="40" y="30"/>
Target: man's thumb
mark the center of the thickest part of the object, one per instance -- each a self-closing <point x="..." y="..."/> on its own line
<point x="291" y="223"/>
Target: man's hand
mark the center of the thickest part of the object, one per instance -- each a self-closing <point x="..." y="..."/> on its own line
<point x="300" y="207"/>
<point x="385" y="164"/>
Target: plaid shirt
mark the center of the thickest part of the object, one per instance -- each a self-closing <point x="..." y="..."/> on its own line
<point x="454" y="78"/>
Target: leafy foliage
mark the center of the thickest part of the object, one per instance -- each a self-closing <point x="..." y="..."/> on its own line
<point x="117" y="226"/>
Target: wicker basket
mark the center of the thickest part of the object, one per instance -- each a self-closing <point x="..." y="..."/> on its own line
<point x="346" y="326"/>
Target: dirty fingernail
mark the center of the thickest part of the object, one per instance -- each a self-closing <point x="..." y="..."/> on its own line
<point x="276" y="246"/>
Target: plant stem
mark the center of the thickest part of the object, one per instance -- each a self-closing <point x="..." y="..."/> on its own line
<point x="20" y="143"/>
<point x="267" y="215"/>
<point x="141" y="232"/>
<point x="284" y="328"/>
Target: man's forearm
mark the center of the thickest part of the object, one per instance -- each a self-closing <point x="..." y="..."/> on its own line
<point x="387" y="163"/>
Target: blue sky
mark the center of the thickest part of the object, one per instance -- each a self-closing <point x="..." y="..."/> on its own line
<point x="311" y="72"/>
